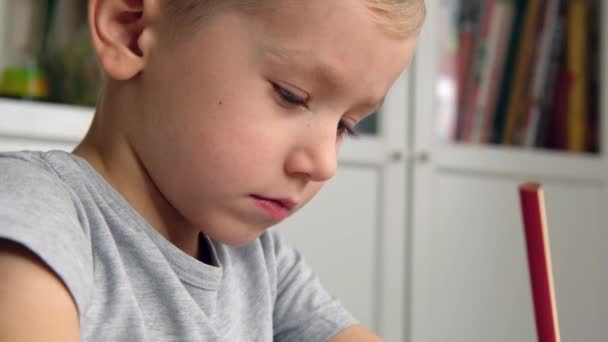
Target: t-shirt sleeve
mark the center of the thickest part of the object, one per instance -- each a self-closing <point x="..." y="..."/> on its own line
<point x="304" y="310"/>
<point x="38" y="212"/>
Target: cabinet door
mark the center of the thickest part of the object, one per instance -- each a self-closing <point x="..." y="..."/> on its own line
<point x="354" y="232"/>
<point x="471" y="279"/>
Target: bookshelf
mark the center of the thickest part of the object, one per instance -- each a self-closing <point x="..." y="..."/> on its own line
<point x="436" y="133"/>
<point x="520" y="73"/>
<point x="509" y="161"/>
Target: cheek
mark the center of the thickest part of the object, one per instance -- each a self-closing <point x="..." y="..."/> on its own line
<point x="243" y="151"/>
<point x="223" y="131"/>
<point x="230" y="140"/>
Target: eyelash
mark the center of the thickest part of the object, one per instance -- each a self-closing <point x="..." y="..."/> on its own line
<point x="345" y="130"/>
<point x="294" y="100"/>
<point x="289" y="97"/>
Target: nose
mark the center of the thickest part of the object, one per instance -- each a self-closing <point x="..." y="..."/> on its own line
<point x="314" y="159"/>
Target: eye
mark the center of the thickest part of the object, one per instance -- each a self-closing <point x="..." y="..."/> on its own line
<point x="288" y="97"/>
<point x="345" y="130"/>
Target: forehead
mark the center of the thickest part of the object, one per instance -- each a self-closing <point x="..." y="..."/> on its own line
<point x="336" y="41"/>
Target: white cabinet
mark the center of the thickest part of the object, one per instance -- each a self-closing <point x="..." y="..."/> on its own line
<point x="26" y="125"/>
<point x="469" y="270"/>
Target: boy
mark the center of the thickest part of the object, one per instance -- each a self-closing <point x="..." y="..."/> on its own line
<point x="218" y="119"/>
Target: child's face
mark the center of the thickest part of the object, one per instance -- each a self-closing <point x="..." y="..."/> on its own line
<point x="223" y="134"/>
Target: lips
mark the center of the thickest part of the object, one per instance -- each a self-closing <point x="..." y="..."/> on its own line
<point x="277" y="208"/>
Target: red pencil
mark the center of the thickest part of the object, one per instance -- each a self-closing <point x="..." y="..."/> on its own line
<point x="539" y="261"/>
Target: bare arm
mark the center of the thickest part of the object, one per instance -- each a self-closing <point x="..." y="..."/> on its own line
<point x="356" y="333"/>
<point x="34" y="303"/>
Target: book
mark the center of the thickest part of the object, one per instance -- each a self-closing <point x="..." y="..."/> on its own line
<point x="595" y="62"/>
<point x="474" y="86"/>
<point x="522" y="66"/>
<point x="469" y="22"/>
<point x="465" y="55"/>
<point x="558" y="125"/>
<point x="541" y="74"/>
<point x="531" y="61"/>
<point x="539" y="261"/>
<point x="577" y="118"/>
<point x="492" y="72"/>
<point x="500" y="115"/>
<point x="538" y="133"/>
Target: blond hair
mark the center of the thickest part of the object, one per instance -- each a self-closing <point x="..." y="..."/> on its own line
<point x="399" y="17"/>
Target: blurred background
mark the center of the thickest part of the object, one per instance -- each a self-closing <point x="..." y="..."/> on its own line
<point x="46" y="52"/>
<point x="419" y="234"/>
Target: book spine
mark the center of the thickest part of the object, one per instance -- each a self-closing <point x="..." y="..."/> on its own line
<point x="549" y="109"/>
<point x="474" y="86"/>
<point x="559" y="110"/>
<point x="465" y="57"/>
<point x="496" y="71"/>
<point x="508" y="73"/>
<point x="578" y="16"/>
<point x="542" y="71"/>
<point x="524" y="108"/>
<point x="521" y="70"/>
<point x="595" y="62"/>
<point x="492" y="58"/>
<point x="469" y="22"/>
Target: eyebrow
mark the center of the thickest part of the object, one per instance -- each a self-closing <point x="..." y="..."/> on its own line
<point x="296" y="57"/>
<point x="322" y="71"/>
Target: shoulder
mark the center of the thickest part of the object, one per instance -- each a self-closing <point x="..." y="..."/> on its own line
<point x="29" y="161"/>
<point x="31" y="189"/>
<point x="24" y="170"/>
<point x="303" y="309"/>
<point x="41" y="213"/>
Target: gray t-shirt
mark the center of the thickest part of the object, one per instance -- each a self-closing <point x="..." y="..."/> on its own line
<point x="131" y="284"/>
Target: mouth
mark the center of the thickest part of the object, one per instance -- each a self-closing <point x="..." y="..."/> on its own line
<point x="277" y="208"/>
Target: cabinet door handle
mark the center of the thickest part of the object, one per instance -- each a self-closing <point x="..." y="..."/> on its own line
<point x="396" y="156"/>
<point x="422" y="156"/>
<point x="415" y="156"/>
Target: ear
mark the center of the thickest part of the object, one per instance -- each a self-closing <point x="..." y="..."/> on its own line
<point x="120" y="35"/>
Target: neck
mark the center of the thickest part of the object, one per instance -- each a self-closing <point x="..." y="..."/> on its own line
<point x="109" y="152"/>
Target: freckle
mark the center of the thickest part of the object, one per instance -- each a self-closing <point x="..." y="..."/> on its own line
<point x="219" y="103"/>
